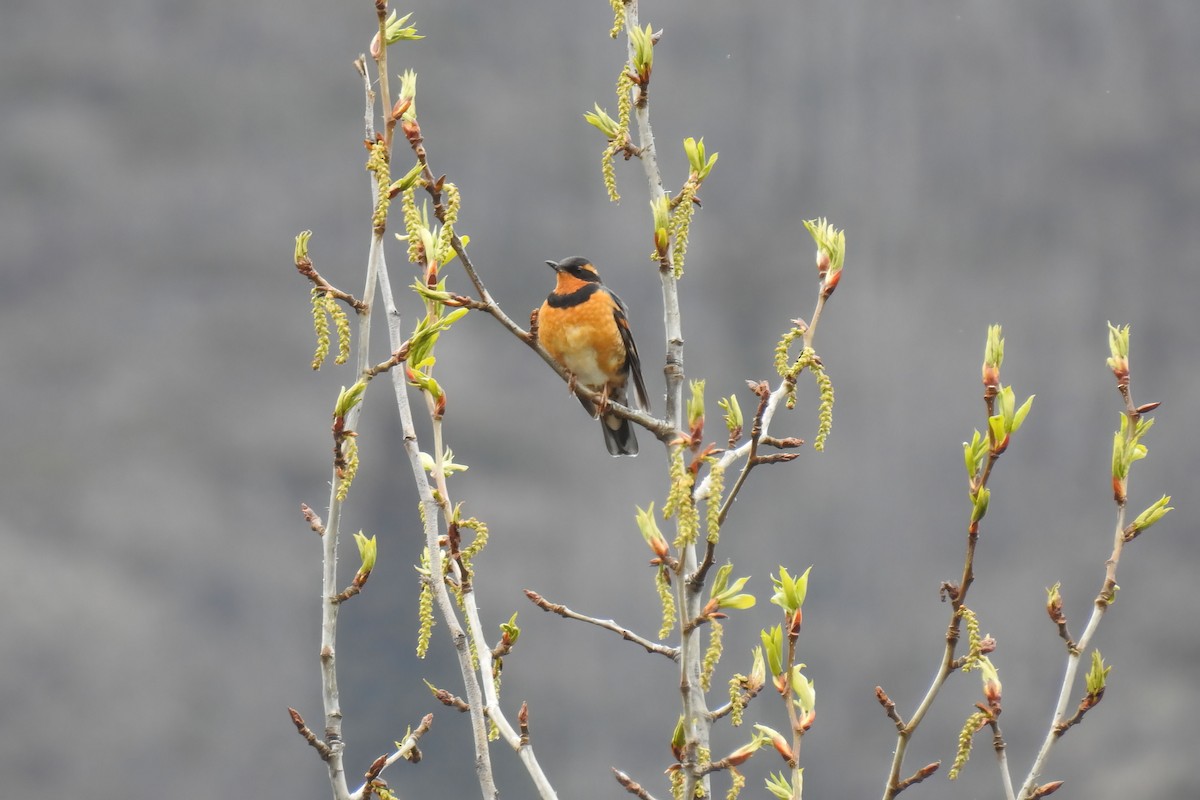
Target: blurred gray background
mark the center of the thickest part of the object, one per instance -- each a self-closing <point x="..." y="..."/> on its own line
<point x="1033" y="164"/>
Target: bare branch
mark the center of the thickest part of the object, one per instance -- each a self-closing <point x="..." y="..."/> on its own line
<point x="608" y="624"/>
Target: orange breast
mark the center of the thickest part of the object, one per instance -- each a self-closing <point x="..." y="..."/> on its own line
<point x="585" y="340"/>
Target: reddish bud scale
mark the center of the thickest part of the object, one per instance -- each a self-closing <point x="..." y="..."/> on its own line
<point x="783" y="748"/>
<point x="830" y="283"/>
<point x="1055" y="609"/>
<point x="1047" y="789"/>
<point x="377" y="767"/>
<point x="991" y="379"/>
<point x="740" y="756"/>
<point x="412" y="131"/>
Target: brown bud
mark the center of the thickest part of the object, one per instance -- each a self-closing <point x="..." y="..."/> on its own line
<point x="1046" y="789"/>
<point x="991" y="376"/>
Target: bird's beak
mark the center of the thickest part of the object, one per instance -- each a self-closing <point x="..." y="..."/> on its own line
<point x="553" y="265"/>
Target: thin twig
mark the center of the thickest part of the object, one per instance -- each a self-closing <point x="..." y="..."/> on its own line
<point x="608" y="624"/>
<point x="322" y="749"/>
<point x="1059" y="723"/>
<point x="631" y="786"/>
<point x="889" y="707"/>
<point x="406" y="750"/>
<point x="480" y="689"/>
<point x="958" y="595"/>
<point x="445" y="603"/>
<point x="1002" y="759"/>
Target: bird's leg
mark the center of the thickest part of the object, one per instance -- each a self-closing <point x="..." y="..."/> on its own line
<point x="570" y="382"/>
<point x="603" y="402"/>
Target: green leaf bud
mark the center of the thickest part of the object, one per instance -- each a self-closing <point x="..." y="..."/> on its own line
<point x="981" y="504"/>
<point x="790" y="592"/>
<point x="1097" y="676"/>
<point x="779" y="786"/>
<point x="695" y="404"/>
<point x="806" y="694"/>
<point x="367" y="551"/>
<point x="349" y="398"/>
<point x="397" y="32"/>
<point x="600" y="120"/>
<point x="733" y="412"/>
<point x="772" y="642"/>
<point x="1153" y="514"/>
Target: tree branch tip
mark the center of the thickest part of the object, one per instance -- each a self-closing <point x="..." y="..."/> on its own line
<point x="1046" y="789"/>
<point x="918" y="776"/>
<point x="323" y="749"/>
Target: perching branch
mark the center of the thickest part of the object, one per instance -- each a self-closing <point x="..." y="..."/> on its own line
<point x="608" y="624"/>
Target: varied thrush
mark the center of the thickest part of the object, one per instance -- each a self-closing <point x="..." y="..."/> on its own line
<point x="585" y="327"/>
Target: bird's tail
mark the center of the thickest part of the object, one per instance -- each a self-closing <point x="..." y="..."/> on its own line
<point x="618" y="436"/>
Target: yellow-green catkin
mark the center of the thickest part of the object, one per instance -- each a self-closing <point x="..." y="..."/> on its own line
<point x="445" y="250"/>
<point x="466" y="554"/>
<point x="689" y="522"/>
<point x="621" y="139"/>
<point x="412" y="225"/>
<point x="608" y="172"/>
<point x="974" y="639"/>
<point x="667" y="599"/>
<point x="807" y="359"/>
<point x="618" y="7"/>
<point x="350" y="453"/>
<point x="825" y="410"/>
<point x="481" y="537"/>
<point x="965" y="738"/>
<point x="679" y="501"/>
<point x="712" y="508"/>
<point x="737" y="782"/>
<point x="681" y="222"/>
<point x="781" y="351"/>
<point x="342" y="323"/>
<point x="712" y="655"/>
<point x="425" y="606"/>
<point x="377" y="164"/>
<point x="703" y="757"/>
<point x="736" y="706"/>
<point x="677" y="784"/>
<point x="320" y="327"/>
<point x="624" y="104"/>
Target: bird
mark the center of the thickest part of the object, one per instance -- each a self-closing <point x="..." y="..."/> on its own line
<point x="585" y="328"/>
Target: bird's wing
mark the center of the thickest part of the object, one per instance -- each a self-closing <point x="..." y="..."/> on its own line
<point x="632" y="360"/>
